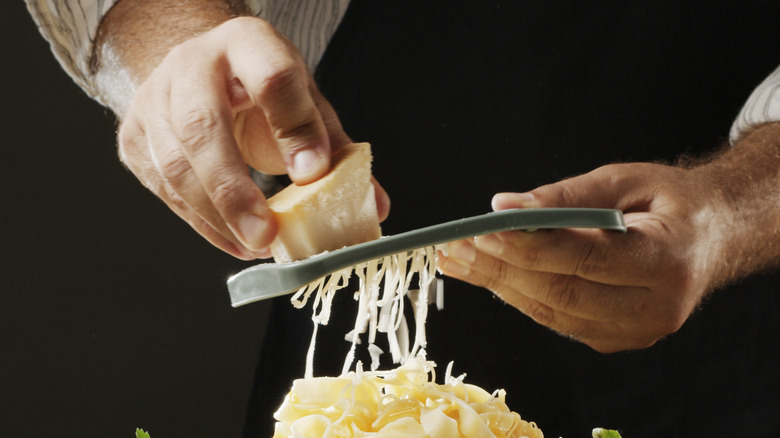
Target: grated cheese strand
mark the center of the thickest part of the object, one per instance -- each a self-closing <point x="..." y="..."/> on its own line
<point x="384" y="285"/>
<point x="404" y="401"/>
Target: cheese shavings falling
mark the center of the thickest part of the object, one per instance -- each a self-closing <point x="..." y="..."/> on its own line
<point x="384" y="284"/>
<point x="404" y="402"/>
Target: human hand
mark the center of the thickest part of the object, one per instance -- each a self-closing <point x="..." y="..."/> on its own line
<point x="238" y="94"/>
<point x="609" y="290"/>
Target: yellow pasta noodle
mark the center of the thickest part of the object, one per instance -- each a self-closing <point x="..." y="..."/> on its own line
<point x="404" y="402"/>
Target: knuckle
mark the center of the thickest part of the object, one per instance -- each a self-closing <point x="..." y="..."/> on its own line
<point x="290" y="109"/>
<point x="282" y="79"/>
<point x="125" y="141"/>
<point x="243" y="25"/>
<point x="562" y="193"/>
<point x="178" y="51"/>
<point x="301" y="128"/>
<point x="540" y="313"/>
<point x="561" y="292"/>
<point x="133" y="155"/>
<point x="530" y="258"/>
<point x="128" y="141"/>
<point x="174" y="168"/>
<point x="500" y="280"/>
<point x="494" y="285"/>
<point x="496" y="281"/>
<point x="125" y="154"/>
<point x="155" y="185"/>
<point x="197" y="128"/>
<point x="566" y="195"/>
<point x="589" y="261"/>
<point x="502" y="274"/>
<point x="614" y="175"/>
<point x="182" y="52"/>
<point x="174" y="201"/>
<point x="224" y="192"/>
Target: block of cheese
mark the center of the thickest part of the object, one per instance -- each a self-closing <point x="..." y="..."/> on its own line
<point x="335" y="211"/>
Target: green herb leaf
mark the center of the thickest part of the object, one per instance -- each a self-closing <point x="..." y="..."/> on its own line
<point x="139" y="433"/>
<point x="605" y="433"/>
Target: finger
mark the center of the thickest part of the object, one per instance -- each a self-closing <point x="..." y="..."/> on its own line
<point x="182" y="184"/>
<point x="603" y="337"/>
<point x="568" y="325"/>
<point x="205" y="132"/>
<point x="337" y="139"/>
<point x="623" y="187"/>
<point x="180" y="187"/>
<point x="604" y="334"/>
<point x="207" y="231"/>
<point x="175" y="170"/>
<point x="134" y="152"/>
<point x="277" y="81"/>
<point x="569" y="294"/>
<point x="635" y="257"/>
<point x="135" y="155"/>
<point x="583" y="253"/>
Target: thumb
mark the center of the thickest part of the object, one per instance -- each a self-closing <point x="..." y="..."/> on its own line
<point x="597" y="189"/>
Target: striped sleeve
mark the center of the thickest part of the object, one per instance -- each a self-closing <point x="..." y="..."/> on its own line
<point x="70" y="27"/>
<point x="308" y="24"/>
<point x="762" y="106"/>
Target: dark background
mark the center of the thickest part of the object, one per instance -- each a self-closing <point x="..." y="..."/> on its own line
<point x="113" y="313"/>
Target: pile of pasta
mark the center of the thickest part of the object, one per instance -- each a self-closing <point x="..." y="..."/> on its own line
<point x="404" y="402"/>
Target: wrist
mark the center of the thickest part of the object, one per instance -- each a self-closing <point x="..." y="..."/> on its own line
<point x="742" y="186"/>
<point x="135" y="36"/>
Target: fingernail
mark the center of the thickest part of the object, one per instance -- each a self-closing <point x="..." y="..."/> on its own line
<point x="306" y="162"/>
<point x="503" y="201"/>
<point x="251" y="228"/>
<point x="463" y="250"/>
<point x="489" y="243"/>
<point x="452" y="267"/>
<point x="263" y="253"/>
<point x="243" y="253"/>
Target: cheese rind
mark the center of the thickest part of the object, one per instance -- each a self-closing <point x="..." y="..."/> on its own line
<point x="335" y="211"/>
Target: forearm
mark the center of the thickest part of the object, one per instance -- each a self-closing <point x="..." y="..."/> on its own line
<point x="136" y="35"/>
<point x="746" y="178"/>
